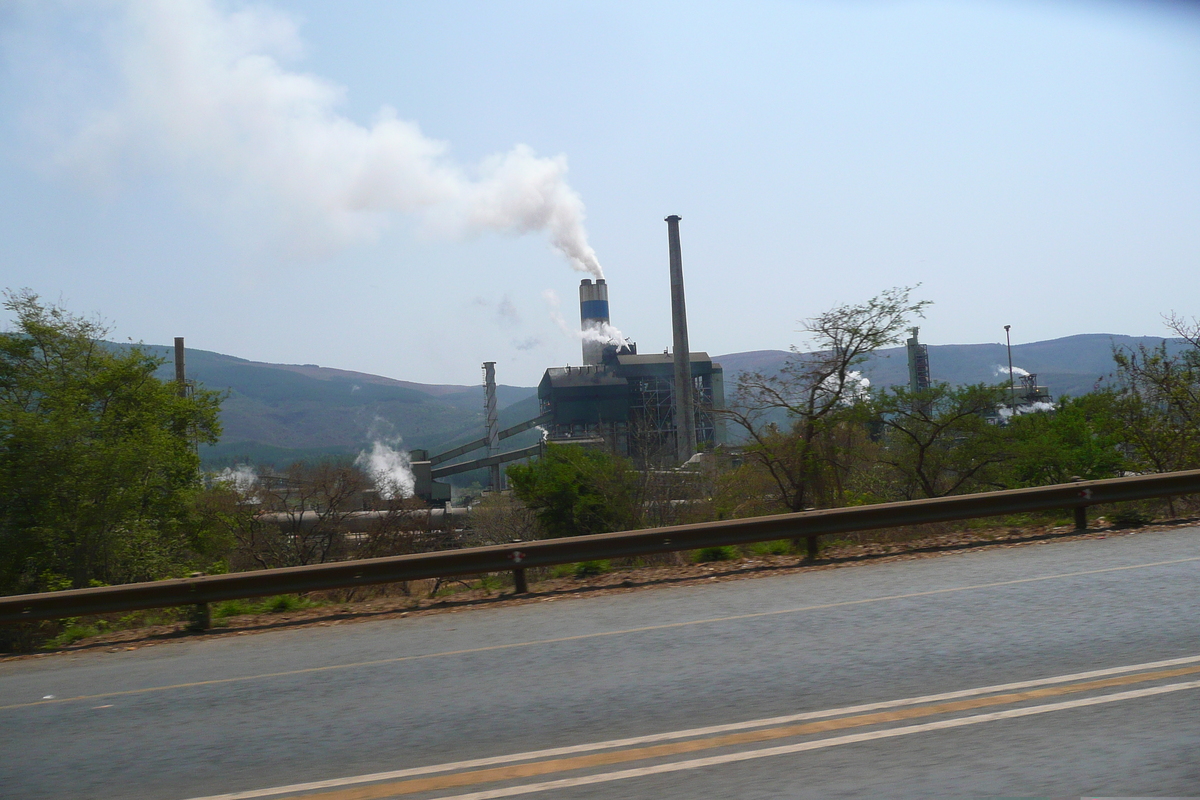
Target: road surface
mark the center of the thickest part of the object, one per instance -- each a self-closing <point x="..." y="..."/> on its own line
<point x="1059" y="669"/>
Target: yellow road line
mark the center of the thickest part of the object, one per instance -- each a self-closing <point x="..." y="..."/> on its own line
<point x="654" y="738"/>
<point x="597" y="635"/>
<point x="517" y="771"/>
<point x="818" y="744"/>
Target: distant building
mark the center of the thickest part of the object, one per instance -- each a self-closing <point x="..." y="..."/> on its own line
<point x="627" y="401"/>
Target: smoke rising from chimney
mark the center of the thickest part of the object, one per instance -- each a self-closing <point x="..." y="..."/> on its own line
<point x="1016" y="371"/>
<point x="205" y="99"/>
<point x="603" y="333"/>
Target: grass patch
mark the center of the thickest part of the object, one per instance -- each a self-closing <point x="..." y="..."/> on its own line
<point x="491" y="583"/>
<point x="272" y="605"/>
<point x="779" y="547"/>
<point x="70" y="634"/>
<point x="285" y="602"/>
<point x="232" y="608"/>
<point x="725" y="552"/>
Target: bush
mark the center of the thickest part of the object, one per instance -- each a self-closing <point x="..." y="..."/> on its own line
<point x="575" y="491"/>
<point x="72" y="633"/>
<point x="586" y="569"/>
<point x="284" y="602"/>
<point x="1129" y="517"/>
<point x="271" y="605"/>
<point x="723" y="553"/>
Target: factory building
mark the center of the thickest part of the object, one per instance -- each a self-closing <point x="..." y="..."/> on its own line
<point x="624" y="401"/>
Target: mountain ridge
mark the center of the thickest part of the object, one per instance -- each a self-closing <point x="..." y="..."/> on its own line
<point x="277" y="413"/>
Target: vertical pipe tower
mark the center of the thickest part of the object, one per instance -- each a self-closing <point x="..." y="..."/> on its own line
<point x="180" y="369"/>
<point x="918" y="364"/>
<point x="491" y="419"/>
<point x="685" y="415"/>
<point x="593" y="315"/>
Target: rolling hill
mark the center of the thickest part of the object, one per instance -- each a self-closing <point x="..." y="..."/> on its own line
<point x="278" y="413"/>
<point x="1072" y="365"/>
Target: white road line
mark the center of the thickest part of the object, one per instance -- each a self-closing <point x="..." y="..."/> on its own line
<point x="697" y="763"/>
<point x="692" y="732"/>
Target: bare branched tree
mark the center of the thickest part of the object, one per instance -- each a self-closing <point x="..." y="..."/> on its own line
<point x="792" y="418"/>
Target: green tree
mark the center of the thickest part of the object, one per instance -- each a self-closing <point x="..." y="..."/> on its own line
<point x="938" y="441"/>
<point x="1081" y="437"/>
<point x="797" y="420"/>
<point x="1158" y="401"/>
<point x="98" y="461"/>
<point x="575" y="491"/>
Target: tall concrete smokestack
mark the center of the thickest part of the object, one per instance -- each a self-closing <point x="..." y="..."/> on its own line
<point x="180" y="369"/>
<point x="593" y="314"/>
<point x="685" y="415"/>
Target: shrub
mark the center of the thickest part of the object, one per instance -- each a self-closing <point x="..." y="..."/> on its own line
<point x="723" y="553"/>
<point x="586" y="569"/>
<point x="575" y="491"/>
<point x="271" y="605"/>
<point x="1129" y="517"/>
<point x="72" y="633"/>
<point x="284" y="602"/>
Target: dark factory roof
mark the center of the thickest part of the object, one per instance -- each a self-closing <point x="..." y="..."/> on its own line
<point x="659" y="358"/>
<point x="564" y="377"/>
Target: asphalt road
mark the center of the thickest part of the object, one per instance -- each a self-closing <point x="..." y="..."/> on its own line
<point x="1062" y="669"/>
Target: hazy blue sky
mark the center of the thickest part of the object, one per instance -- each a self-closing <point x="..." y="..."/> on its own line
<point x="378" y="186"/>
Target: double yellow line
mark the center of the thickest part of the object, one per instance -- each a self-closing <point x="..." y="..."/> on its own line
<point x="511" y="772"/>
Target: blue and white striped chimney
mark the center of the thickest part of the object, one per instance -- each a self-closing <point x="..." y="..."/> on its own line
<point x="593" y="315"/>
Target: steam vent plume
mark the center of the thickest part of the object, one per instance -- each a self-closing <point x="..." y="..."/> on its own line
<point x="593" y="316"/>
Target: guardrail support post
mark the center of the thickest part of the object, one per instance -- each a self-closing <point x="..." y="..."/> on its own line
<point x="1080" y="511"/>
<point x="810" y="547"/>
<point x="200" y="619"/>
<point x="519" y="584"/>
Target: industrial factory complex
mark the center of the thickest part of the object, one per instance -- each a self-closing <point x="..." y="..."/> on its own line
<point x="628" y="400"/>
<point x="617" y="399"/>
<point x="658" y="409"/>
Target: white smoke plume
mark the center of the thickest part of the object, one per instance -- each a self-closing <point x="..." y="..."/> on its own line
<point x="1016" y="371"/>
<point x="206" y="100"/>
<point x="243" y="479"/>
<point x="389" y="468"/>
<point x="856" y="388"/>
<point x="1039" y="407"/>
<point x="603" y="333"/>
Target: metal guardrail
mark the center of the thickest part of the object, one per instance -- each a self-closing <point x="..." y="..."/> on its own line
<point x="516" y="557"/>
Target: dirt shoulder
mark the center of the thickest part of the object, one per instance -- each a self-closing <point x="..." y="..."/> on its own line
<point x="838" y="555"/>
